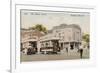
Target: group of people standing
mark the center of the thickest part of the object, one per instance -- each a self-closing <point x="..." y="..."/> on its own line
<point x="80" y="50"/>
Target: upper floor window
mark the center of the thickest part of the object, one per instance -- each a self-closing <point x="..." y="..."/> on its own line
<point x="57" y="31"/>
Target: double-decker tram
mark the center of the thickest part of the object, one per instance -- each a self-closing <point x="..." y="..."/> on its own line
<point x="50" y="46"/>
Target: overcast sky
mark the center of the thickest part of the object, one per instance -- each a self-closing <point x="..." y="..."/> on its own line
<point x="50" y="19"/>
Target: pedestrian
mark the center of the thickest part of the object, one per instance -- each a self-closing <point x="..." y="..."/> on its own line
<point x="81" y="51"/>
<point x="67" y="49"/>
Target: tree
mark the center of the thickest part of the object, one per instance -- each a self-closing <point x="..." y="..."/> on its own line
<point x="86" y="38"/>
<point x="39" y="27"/>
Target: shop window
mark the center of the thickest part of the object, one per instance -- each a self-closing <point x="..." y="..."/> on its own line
<point x="71" y="47"/>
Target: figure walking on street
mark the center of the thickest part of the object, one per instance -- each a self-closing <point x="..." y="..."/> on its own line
<point x="81" y="51"/>
<point x="67" y="48"/>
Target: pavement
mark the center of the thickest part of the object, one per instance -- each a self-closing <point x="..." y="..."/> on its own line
<point x="71" y="55"/>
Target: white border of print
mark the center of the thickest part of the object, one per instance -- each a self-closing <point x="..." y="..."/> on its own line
<point x="16" y="66"/>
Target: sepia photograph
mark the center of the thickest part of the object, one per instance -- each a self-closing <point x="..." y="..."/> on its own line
<point x="47" y="35"/>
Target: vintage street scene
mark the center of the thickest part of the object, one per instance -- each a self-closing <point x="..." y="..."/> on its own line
<point x="54" y="35"/>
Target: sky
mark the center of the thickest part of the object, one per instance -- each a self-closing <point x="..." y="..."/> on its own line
<point x="50" y="19"/>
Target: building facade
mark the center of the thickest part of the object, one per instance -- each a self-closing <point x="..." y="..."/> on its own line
<point x="30" y="39"/>
<point x="68" y="36"/>
<point x="62" y="37"/>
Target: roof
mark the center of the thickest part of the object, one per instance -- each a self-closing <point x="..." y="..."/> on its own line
<point x="28" y="40"/>
<point x="48" y="37"/>
<point x="62" y="26"/>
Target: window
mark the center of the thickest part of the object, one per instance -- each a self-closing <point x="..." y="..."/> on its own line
<point x="57" y="31"/>
<point x="74" y="36"/>
<point x="47" y="44"/>
<point x="59" y="35"/>
<point x="42" y="45"/>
